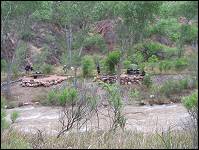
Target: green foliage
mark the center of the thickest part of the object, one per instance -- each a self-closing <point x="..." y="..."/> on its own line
<point x="26" y="36"/>
<point x="44" y="11"/>
<point x="15" y="70"/>
<point x="134" y="94"/>
<point x="165" y="65"/>
<point x="137" y="58"/>
<point x="112" y="60"/>
<point x="172" y="86"/>
<point x="147" y="80"/>
<point x="133" y="66"/>
<point x="189" y="33"/>
<point x="153" y="59"/>
<point x="46" y="68"/>
<point x="87" y="65"/>
<point x="4" y="124"/>
<point x="62" y="97"/>
<point x="3" y="65"/>
<point x="143" y="51"/>
<point x="115" y="100"/>
<point x="166" y="27"/>
<point x="15" y="141"/>
<point x="191" y="101"/>
<point x="39" y="59"/>
<point x="14" y="116"/>
<point x="67" y="96"/>
<point x="170" y="52"/>
<point x="181" y="64"/>
<point x="95" y="40"/>
<point x="126" y="64"/>
<point x="186" y="9"/>
<point x="52" y="97"/>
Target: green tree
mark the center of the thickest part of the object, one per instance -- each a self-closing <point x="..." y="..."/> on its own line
<point x="16" y="17"/>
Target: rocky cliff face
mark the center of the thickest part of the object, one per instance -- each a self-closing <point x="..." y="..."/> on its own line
<point x="106" y="29"/>
<point x="52" y="37"/>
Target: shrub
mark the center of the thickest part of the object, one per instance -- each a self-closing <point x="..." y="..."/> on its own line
<point x="172" y="87"/>
<point x="52" y="97"/>
<point x="126" y="64"/>
<point x="26" y="36"/>
<point x="181" y="64"/>
<point x="133" y="66"/>
<point x="67" y="96"/>
<point x="46" y="68"/>
<point x="134" y="94"/>
<point x="143" y="51"/>
<point x="14" y="116"/>
<point x="112" y="60"/>
<point x="152" y="47"/>
<point x="95" y="40"/>
<point x="3" y="65"/>
<point x="137" y="58"/>
<point x="115" y="100"/>
<point x="167" y="27"/>
<point x="153" y="59"/>
<point x="15" y="70"/>
<point x="4" y="124"/>
<point x="191" y="101"/>
<point x="189" y="33"/>
<point x="87" y="66"/>
<point x="147" y="80"/>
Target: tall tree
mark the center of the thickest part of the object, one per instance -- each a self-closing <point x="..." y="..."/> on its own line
<point x="15" y="18"/>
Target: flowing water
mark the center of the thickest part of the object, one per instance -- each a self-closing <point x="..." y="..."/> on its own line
<point x="140" y="118"/>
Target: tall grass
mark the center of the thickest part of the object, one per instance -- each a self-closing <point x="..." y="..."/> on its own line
<point x="100" y="140"/>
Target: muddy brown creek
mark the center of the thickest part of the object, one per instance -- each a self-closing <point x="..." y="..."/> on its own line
<point x="146" y="119"/>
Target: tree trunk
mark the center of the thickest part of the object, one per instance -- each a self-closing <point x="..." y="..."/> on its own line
<point x="69" y="42"/>
<point x="9" y="72"/>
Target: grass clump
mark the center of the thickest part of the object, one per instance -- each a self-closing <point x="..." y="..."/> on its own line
<point x="14" y="116"/>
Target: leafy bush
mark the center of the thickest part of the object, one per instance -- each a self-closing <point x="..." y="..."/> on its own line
<point x="172" y="87"/>
<point x="115" y="100"/>
<point x="189" y="33"/>
<point x="133" y="66"/>
<point x="167" y="27"/>
<point x="46" y="68"/>
<point x="181" y="64"/>
<point x="96" y="40"/>
<point x="191" y="101"/>
<point x="67" y="96"/>
<point x="62" y="97"/>
<point x="147" y="80"/>
<point x="170" y="51"/>
<point x="3" y="65"/>
<point x="14" y="116"/>
<point x="134" y="94"/>
<point x="153" y="59"/>
<point x="126" y="64"/>
<point x="143" y="51"/>
<point x="15" y="70"/>
<point x="4" y="124"/>
<point x="26" y="36"/>
<point x="87" y="65"/>
<point x="52" y="97"/>
<point x="112" y="60"/>
<point x="137" y="58"/>
<point x="165" y="65"/>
